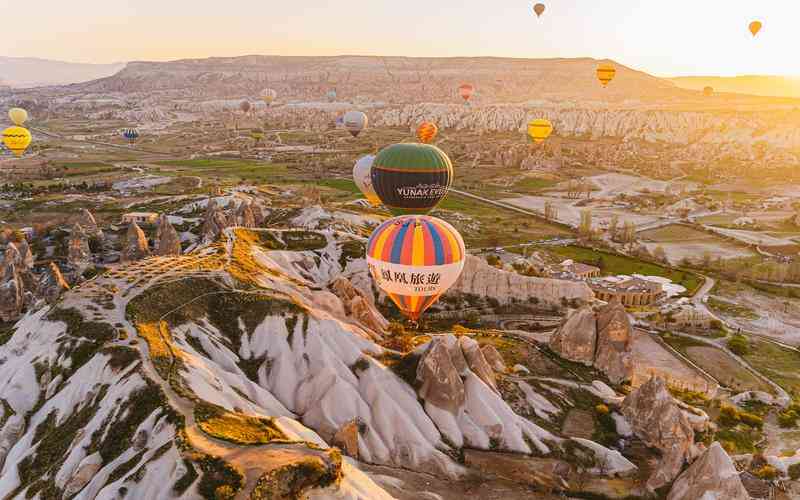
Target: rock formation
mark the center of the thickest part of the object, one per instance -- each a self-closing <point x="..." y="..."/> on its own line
<point x="658" y="421"/>
<point x="245" y="216"/>
<point x="711" y="476"/>
<point x="477" y="362"/>
<point x="214" y="222"/>
<point x="613" y="342"/>
<point x="79" y="256"/>
<point x="346" y="439"/>
<point x="89" y="224"/>
<point x="479" y="278"/>
<point x="357" y="306"/>
<point x="576" y="340"/>
<point x="494" y="358"/>
<point x="12" y="293"/>
<point x="135" y="246"/>
<point x="601" y="339"/>
<point x="167" y="240"/>
<point x="52" y="284"/>
<point x="441" y="384"/>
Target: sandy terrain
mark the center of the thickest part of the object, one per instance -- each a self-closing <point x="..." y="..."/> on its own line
<point x="778" y="317"/>
<point x="725" y="369"/>
<point x="680" y="241"/>
<point x="651" y="358"/>
<point x="570" y="214"/>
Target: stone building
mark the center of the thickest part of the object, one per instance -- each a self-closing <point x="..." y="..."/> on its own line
<point x="630" y="292"/>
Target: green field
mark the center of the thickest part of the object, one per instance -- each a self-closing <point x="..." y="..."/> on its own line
<point x="612" y="264"/>
<point x="777" y="363"/>
<point x="234" y="170"/>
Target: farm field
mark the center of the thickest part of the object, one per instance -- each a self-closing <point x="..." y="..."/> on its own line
<point x="680" y="242"/>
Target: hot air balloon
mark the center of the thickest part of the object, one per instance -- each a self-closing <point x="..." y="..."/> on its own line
<point x="708" y="91"/>
<point x="331" y="95"/>
<point x="362" y="176"/>
<point x="131" y="134"/>
<point x="538" y="9"/>
<point x="355" y="122"/>
<point x="268" y="95"/>
<point x="466" y="90"/>
<point x="245" y="106"/>
<point x="606" y="73"/>
<point x="17" y="139"/>
<point x="411" y="178"/>
<point x="257" y="134"/>
<point x="18" y="116"/>
<point x="755" y="27"/>
<point x="539" y="129"/>
<point x="415" y="259"/>
<point x="426" y="132"/>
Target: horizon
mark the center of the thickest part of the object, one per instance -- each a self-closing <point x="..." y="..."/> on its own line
<point x="658" y="39"/>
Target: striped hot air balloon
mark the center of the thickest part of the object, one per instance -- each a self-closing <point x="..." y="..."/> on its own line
<point x="539" y="129"/>
<point x="426" y="132"/>
<point x="411" y="178"/>
<point x="131" y="134"/>
<point x="606" y="73"/>
<point x="17" y="139"/>
<point x="415" y="259"/>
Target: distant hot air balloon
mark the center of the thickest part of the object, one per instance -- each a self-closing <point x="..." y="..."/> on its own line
<point x="257" y="134"/>
<point x="708" y="91"/>
<point x="362" y="176"/>
<point x="18" y="116"/>
<point x="411" y="178"/>
<point x="17" y="139"/>
<point x="606" y="73"/>
<point x="538" y="9"/>
<point x="268" y="96"/>
<point x="466" y="90"/>
<point x="355" y="122"/>
<point x="245" y="106"/>
<point x="331" y="95"/>
<point x="415" y="259"/>
<point x="426" y="132"/>
<point x="540" y="129"/>
<point x="131" y="134"/>
<point x="755" y="27"/>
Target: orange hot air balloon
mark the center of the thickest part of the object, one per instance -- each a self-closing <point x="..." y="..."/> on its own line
<point x="755" y="27"/>
<point x="466" y="90"/>
<point x="708" y="91"/>
<point x="538" y="9"/>
<point x="606" y="73"/>
<point x="426" y="132"/>
<point x="415" y="259"/>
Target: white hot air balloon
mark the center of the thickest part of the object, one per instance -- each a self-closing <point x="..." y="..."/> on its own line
<point x="355" y="122"/>
<point x="362" y="176"/>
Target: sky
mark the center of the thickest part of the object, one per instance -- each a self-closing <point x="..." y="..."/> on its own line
<point x="662" y="37"/>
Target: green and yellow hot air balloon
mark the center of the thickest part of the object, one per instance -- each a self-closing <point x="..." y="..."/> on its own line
<point x="540" y="129"/>
<point x="411" y="178"/>
<point x="17" y="139"/>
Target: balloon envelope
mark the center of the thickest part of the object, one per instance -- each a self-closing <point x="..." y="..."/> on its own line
<point x="362" y="176"/>
<point x="355" y="122"/>
<point x="268" y="96"/>
<point x="426" y="132"/>
<point x="708" y="91"/>
<point x="538" y="9"/>
<point x="466" y="90"/>
<point x="606" y="73"/>
<point x="411" y="178"/>
<point x="17" y="139"/>
<point x="131" y="134"/>
<point x="331" y="95"/>
<point x="539" y="129"/>
<point x="245" y="106"/>
<point x="755" y="27"/>
<point x="415" y="259"/>
<point x="18" y="116"/>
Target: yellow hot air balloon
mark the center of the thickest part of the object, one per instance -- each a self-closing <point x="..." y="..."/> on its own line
<point x="538" y="9"/>
<point x="605" y="73"/>
<point x="540" y="129"/>
<point x="708" y="91"/>
<point x="755" y="27"/>
<point x="18" y="116"/>
<point x="17" y="139"/>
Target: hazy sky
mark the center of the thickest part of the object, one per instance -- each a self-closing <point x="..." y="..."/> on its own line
<point x="665" y="37"/>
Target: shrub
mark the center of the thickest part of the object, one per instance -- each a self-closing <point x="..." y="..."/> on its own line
<point x="739" y="345"/>
<point x="767" y="472"/>
<point x="794" y="472"/>
<point x="601" y="409"/>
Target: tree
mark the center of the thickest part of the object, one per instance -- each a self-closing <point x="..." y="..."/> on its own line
<point x="585" y="227"/>
<point x="659" y="254"/>
<point x="613" y="227"/>
<point x="739" y="345"/>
